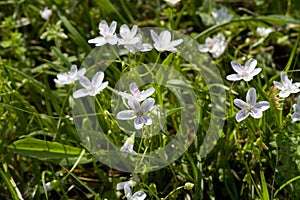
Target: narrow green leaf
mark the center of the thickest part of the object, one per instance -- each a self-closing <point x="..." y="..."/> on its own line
<point x="79" y="39"/>
<point x="265" y="192"/>
<point x="109" y="9"/>
<point x="288" y="65"/>
<point x="274" y="19"/>
<point x="6" y="179"/>
<point x="43" y="149"/>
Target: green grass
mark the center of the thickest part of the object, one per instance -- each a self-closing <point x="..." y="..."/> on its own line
<point x="40" y="146"/>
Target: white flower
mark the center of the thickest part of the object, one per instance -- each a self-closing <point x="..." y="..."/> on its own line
<point x="139" y="195"/>
<point x="120" y="186"/>
<point x="221" y="15"/>
<point x="296" y="108"/>
<point x="136" y="93"/>
<point x="139" y="46"/>
<point x="71" y="76"/>
<point x="138" y="112"/>
<point x="128" y="146"/>
<point x="162" y="42"/>
<point x="216" y="46"/>
<point x="287" y="86"/>
<point x="91" y="88"/>
<point x="46" y="13"/>
<point x="250" y="106"/>
<point x="108" y="34"/>
<point x="246" y="72"/>
<point x="128" y="36"/>
<point x="172" y="2"/>
<point x="262" y="31"/>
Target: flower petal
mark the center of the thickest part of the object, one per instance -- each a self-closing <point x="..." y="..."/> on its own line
<point x="284" y="94"/>
<point x="113" y="27"/>
<point x="236" y="66"/>
<point x="154" y="36"/>
<point x="73" y="69"/>
<point x="147" y="105"/>
<point x="278" y="85"/>
<point x="139" y="195"/>
<point x="120" y="186"/>
<point x="234" y="77"/>
<point x="203" y="48"/>
<point x="80" y="93"/>
<point x="296" y="117"/>
<point x="80" y="73"/>
<point x="165" y="37"/>
<point x="240" y="103"/>
<point x="296" y="108"/>
<point x="139" y="123"/>
<point x="255" y="72"/>
<point x="134" y="89"/>
<point x="251" y="64"/>
<point x="175" y="43"/>
<point x="134" y="30"/>
<point x="126" y="115"/>
<point x="84" y="81"/>
<point x="241" y="115"/>
<point x="97" y="79"/>
<point x="103" y="26"/>
<point x="127" y="191"/>
<point x="251" y="96"/>
<point x="134" y="104"/>
<point x="125" y="95"/>
<point x="256" y="113"/>
<point x="124" y="31"/>
<point x="284" y="79"/>
<point x="145" y="94"/>
<point x="262" y="105"/>
<point x="101" y="87"/>
<point x="99" y="41"/>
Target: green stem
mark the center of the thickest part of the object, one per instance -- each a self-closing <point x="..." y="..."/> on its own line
<point x="180" y="187"/>
<point x="288" y="65"/>
<point x="14" y="191"/>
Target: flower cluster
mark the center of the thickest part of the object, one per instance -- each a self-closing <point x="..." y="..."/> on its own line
<point x="286" y="88"/>
<point x="139" y="195"/>
<point x="91" y="88"/>
<point x="131" y="40"/>
<point x="221" y="15"/>
<point x="250" y="107"/>
<point x="216" y="46"/>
